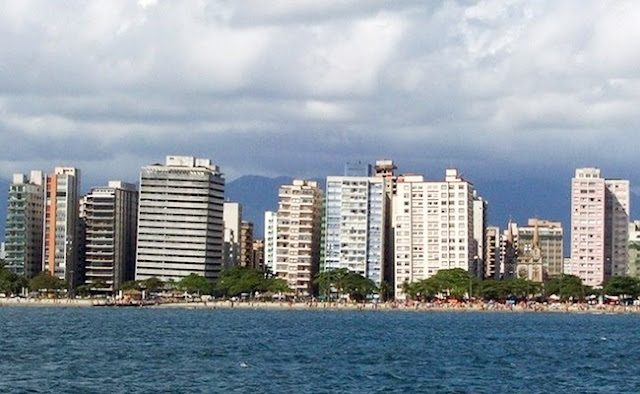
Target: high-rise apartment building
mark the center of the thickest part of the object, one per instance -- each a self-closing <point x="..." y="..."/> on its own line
<point x="24" y="226"/>
<point x="298" y="234"/>
<point x="492" y="262"/>
<point x="540" y="247"/>
<point x="434" y="227"/>
<point x="634" y="249"/>
<point x="258" y="254"/>
<point x="246" y="244"/>
<point x="355" y="218"/>
<point x="180" y="219"/>
<point x="599" y="226"/>
<point x="480" y="206"/>
<point x="60" y="251"/>
<point x="110" y="218"/>
<point x="232" y="233"/>
<point x="270" y="240"/>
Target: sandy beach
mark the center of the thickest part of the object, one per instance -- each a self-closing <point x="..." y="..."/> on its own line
<point x="263" y="305"/>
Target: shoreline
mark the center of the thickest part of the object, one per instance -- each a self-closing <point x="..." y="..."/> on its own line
<point x="319" y="306"/>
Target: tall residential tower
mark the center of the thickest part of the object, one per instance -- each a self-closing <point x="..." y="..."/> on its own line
<point x="23" y="232"/>
<point x="599" y="226"/>
<point x="61" y="240"/>
<point x="180" y="219"/>
<point x="110" y="217"/>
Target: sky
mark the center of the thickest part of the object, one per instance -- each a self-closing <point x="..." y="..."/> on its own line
<point x="504" y="89"/>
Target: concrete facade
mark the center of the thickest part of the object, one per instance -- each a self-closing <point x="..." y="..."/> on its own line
<point x="599" y="226"/>
<point x="180" y="219"/>
<point x="540" y="250"/>
<point x="270" y="240"/>
<point x="298" y="235"/>
<point x="434" y="227"/>
<point x="61" y="240"/>
<point x="355" y="218"/>
<point x="232" y="216"/>
<point x="110" y="220"/>
<point x="24" y="225"/>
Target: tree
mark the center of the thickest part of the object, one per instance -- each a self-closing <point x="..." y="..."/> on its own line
<point x="357" y="286"/>
<point x="130" y="285"/>
<point x="10" y="282"/>
<point x="622" y="285"/>
<point x="237" y="280"/>
<point x="45" y="281"/>
<point x="565" y="287"/>
<point x="195" y="283"/>
<point x="153" y="284"/>
<point x="345" y="282"/>
<point x="494" y="289"/>
<point x="454" y="282"/>
<point x="386" y="291"/>
<point x="522" y="287"/>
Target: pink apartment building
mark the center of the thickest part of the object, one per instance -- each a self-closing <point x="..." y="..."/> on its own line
<point x="599" y="226"/>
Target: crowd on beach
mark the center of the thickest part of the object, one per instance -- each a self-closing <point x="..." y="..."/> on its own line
<point x="438" y="305"/>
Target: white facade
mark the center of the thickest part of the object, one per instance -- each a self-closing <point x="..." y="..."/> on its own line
<point x="270" y="240"/>
<point x="298" y="234"/>
<point x="434" y="227"/>
<point x="355" y="225"/>
<point x="180" y="220"/>
<point x="232" y="217"/>
<point x="599" y="226"/>
<point x="479" y="233"/>
<point x="61" y="241"/>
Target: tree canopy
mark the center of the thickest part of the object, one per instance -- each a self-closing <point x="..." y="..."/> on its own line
<point x="566" y="287"/>
<point x="11" y="282"/>
<point x="194" y="283"/>
<point x="45" y="281"/>
<point x="345" y="282"/>
<point x="237" y="280"/>
<point x="622" y="285"/>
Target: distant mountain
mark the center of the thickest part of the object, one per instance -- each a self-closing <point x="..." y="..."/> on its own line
<point x="257" y="194"/>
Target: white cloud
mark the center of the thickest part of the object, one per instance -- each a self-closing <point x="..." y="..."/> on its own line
<point x="308" y="84"/>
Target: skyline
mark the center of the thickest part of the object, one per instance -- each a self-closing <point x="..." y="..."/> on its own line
<point x="502" y="91"/>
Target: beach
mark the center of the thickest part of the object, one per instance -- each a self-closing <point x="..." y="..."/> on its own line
<point x="476" y="306"/>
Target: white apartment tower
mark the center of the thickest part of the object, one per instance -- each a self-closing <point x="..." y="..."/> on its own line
<point x="434" y="227"/>
<point x="599" y="226"/>
<point x="180" y="219"/>
<point x="355" y="219"/>
<point x="24" y="226"/>
<point x="60" y="242"/>
<point x="298" y="234"/>
<point x="110" y="217"/>
<point x="270" y="240"/>
<point x="232" y="216"/>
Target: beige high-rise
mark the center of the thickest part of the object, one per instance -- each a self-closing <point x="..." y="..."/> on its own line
<point x="299" y="219"/>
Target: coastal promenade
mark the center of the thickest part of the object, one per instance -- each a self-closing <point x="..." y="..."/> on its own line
<point x="476" y="306"/>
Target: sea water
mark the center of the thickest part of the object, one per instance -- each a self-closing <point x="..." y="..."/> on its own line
<point x="140" y="350"/>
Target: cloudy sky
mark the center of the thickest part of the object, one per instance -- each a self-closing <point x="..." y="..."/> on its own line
<point x="498" y="89"/>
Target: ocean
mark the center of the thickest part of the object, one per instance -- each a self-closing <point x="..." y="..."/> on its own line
<point x="141" y="350"/>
